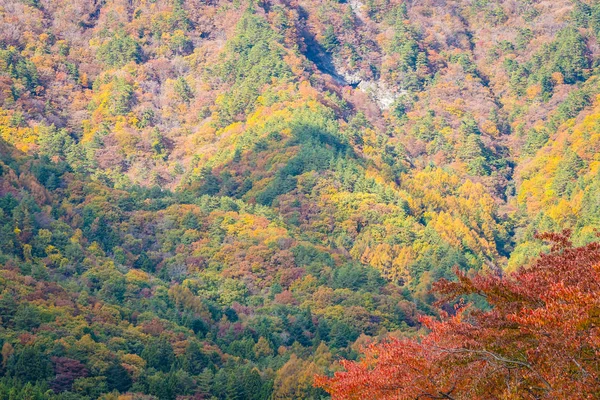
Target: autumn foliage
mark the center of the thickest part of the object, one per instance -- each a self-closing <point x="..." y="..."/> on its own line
<point x="216" y="199"/>
<point x="539" y="339"/>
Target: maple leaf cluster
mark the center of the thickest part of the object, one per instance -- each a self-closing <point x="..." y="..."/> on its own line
<point x="539" y="338"/>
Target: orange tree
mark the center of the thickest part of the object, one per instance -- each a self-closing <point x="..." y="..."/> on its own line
<point x="539" y="339"/>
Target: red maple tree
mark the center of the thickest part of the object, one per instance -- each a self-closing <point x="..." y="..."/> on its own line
<point x="540" y="338"/>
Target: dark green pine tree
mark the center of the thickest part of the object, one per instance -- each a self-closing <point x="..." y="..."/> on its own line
<point x="322" y="334"/>
<point x="30" y="364"/>
<point x="253" y="385"/>
<point x="117" y="378"/>
<point x="330" y="41"/>
<point x="159" y="354"/>
<point x="211" y="184"/>
<point x="194" y="360"/>
<point x="205" y="382"/>
<point x="220" y="382"/>
<point x="234" y="389"/>
<point x="8" y="307"/>
<point x="567" y="173"/>
<point x="164" y="386"/>
<point x="473" y="153"/>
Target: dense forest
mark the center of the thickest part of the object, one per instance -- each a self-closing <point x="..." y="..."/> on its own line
<point x="299" y="199"/>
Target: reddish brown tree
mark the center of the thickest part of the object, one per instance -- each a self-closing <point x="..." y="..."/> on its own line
<point x="67" y="371"/>
<point x="539" y="340"/>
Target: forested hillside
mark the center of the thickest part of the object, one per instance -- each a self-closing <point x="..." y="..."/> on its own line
<point x="220" y="199"/>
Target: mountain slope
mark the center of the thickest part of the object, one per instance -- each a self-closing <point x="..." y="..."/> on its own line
<point x="229" y="196"/>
